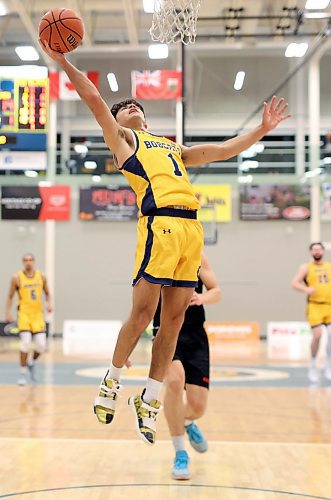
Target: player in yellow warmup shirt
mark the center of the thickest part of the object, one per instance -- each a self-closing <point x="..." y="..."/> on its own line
<point x="170" y="238"/>
<point x="30" y="284"/>
<point x="314" y="279"/>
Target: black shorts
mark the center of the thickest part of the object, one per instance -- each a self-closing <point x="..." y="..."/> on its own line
<point x="193" y="351"/>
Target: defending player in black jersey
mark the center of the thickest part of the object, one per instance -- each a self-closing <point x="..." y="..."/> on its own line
<point x="189" y="371"/>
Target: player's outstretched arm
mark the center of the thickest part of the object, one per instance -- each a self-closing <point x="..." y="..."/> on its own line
<point x="90" y="95"/>
<point x="273" y="114"/>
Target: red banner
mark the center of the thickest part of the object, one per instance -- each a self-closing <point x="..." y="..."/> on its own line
<point x="160" y="84"/>
<point x="35" y="203"/>
<point x="62" y="88"/>
<point x="55" y="203"/>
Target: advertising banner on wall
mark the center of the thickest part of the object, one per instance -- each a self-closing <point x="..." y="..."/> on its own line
<point x="107" y="203"/>
<point x="291" y="340"/>
<point x="233" y="339"/>
<point x="272" y="202"/>
<point x="35" y="203"/>
<point x="218" y="195"/>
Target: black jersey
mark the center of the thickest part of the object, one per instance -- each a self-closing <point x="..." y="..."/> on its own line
<point x="194" y="315"/>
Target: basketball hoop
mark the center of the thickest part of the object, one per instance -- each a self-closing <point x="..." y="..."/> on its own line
<point x="175" y="20"/>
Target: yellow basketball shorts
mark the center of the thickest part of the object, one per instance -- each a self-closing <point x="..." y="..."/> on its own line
<point x="169" y="248"/>
<point x="318" y="314"/>
<point x="31" y="321"/>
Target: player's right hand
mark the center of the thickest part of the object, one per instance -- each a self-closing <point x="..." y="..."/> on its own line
<point x="310" y="291"/>
<point x="53" y="54"/>
<point x="8" y="318"/>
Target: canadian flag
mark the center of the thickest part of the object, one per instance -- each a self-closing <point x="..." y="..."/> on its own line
<point x="62" y="88"/>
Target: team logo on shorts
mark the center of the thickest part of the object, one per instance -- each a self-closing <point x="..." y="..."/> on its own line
<point x="166" y="231"/>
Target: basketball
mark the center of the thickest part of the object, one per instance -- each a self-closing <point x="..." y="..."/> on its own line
<point x="62" y="29"/>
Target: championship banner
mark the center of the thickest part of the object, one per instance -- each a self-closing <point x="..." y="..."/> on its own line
<point x="107" y="203"/>
<point x="218" y="195"/>
<point x="35" y="203"/>
<point x="272" y="202"/>
<point x="160" y="84"/>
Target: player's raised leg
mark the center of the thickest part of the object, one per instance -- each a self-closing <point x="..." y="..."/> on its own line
<point x="147" y="406"/>
<point x="145" y="299"/>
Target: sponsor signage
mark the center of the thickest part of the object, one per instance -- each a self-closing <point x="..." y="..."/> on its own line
<point x="272" y="202"/>
<point x="291" y="340"/>
<point x="228" y="331"/>
<point x="233" y="339"/>
<point x="214" y="195"/>
<point x="35" y="203"/>
<point x="90" y="338"/>
<point x="23" y="160"/>
<point x="107" y="203"/>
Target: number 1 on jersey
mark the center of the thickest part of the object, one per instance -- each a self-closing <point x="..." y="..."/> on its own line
<point x="175" y="164"/>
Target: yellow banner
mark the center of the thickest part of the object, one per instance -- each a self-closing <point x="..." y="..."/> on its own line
<point x="214" y="194"/>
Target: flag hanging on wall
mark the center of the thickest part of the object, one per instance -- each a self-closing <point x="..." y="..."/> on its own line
<point x="62" y="88"/>
<point x="160" y="84"/>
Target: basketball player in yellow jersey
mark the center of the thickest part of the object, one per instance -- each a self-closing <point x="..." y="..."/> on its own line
<point x="30" y="284"/>
<point x="314" y="279"/>
<point x="170" y="238"/>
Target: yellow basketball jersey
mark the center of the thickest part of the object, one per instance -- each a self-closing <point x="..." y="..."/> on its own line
<point x="157" y="174"/>
<point x="319" y="277"/>
<point x="30" y="292"/>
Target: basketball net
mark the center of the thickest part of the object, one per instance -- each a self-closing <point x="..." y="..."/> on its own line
<point x="175" y="20"/>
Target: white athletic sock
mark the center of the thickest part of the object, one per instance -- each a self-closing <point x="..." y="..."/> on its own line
<point x="188" y="422"/>
<point x="178" y="442"/>
<point x="152" y="390"/>
<point x="313" y="362"/>
<point x="24" y="370"/>
<point x="114" y="372"/>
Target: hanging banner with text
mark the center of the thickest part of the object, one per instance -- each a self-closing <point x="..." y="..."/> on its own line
<point x="214" y="195"/>
<point x="35" y="203"/>
<point x="107" y="203"/>
<point x="274" y="202"/>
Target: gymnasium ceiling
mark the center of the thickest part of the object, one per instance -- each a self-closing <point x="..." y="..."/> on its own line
<point x="122" y="26"/>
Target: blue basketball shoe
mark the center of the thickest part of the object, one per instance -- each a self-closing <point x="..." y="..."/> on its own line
<point x="196" y="438"/>
<point x="180" y="468"/>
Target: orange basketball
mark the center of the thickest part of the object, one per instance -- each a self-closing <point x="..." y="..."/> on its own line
<point x="62" y="29"/>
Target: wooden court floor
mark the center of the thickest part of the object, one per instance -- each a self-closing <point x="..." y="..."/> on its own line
<point x="265" y="443"/>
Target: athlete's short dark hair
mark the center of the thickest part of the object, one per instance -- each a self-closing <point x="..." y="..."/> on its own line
<point x="316" y="243"/>
<point x="28" y="255"/>
<point x="116" y="107"/>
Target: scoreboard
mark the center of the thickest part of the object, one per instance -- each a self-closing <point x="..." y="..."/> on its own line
<point x="23" y="117"/>
<point x="23" y="105"/>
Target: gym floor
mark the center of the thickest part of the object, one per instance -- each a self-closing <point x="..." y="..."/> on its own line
<point x="269" y="434"/>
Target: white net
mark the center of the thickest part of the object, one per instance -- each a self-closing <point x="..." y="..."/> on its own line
<point x="175" y="20"/>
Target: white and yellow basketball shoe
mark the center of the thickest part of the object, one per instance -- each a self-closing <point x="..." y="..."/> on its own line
<point x="105" y="402"/>
<point x="145" y="416"/>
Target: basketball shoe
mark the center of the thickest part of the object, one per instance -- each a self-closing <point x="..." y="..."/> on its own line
<point x="32" y="371"/>
<point x="313" y="375"/>
<point x="145" y="416"/>
<point x="105" y="402"/>
<point x="180" y="468"/>
<point x="196" y="438"/>
<point x="22" y="380"/>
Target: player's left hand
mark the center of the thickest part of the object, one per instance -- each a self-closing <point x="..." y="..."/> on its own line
<point x="49" y="307"/>
<point x="196" y="299"/>
<point x="274" y="113"/>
